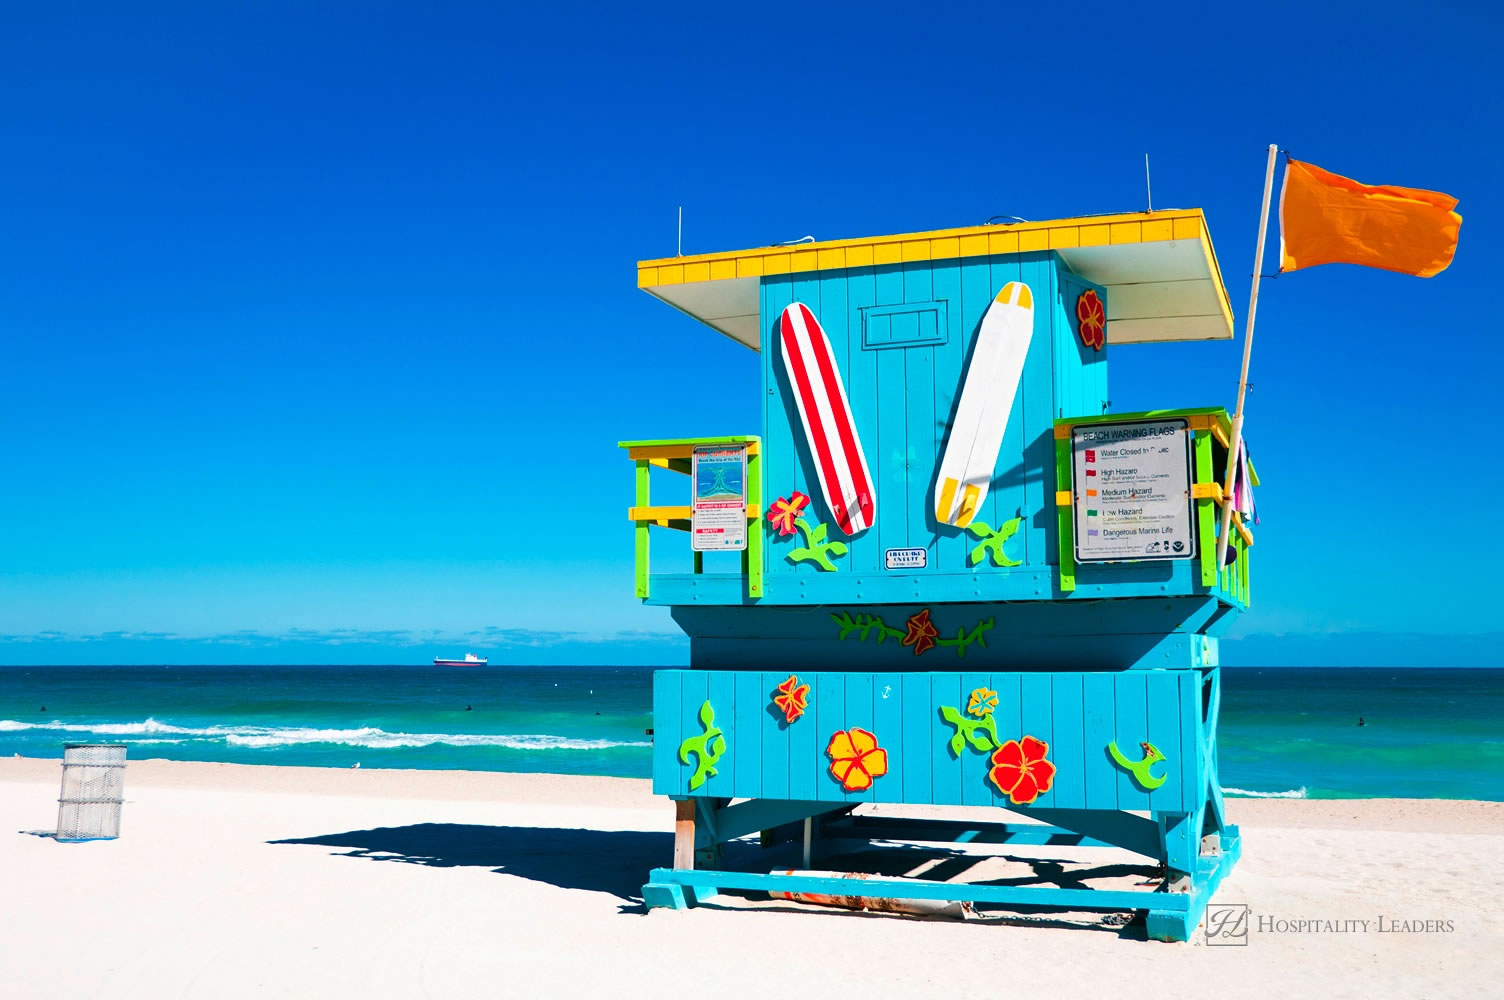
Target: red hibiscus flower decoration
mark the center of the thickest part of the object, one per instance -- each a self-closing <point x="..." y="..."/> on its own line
<point x="792" y="698"/>
<point x="1092" y="315"/>
<point x="783" y="512"/>
<point x="855" y="759"/>
<point x="922" y="632"/>
<point x="1020" y="771"/>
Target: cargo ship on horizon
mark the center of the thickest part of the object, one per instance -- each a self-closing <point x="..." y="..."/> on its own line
<point x="470" y="660"/>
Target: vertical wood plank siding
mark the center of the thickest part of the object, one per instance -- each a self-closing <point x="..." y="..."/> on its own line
<point x="1076" y="713"/>
<point x="904" y="382"/>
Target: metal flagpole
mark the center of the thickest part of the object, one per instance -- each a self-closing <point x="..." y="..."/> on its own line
<point x="1237" y="418"/>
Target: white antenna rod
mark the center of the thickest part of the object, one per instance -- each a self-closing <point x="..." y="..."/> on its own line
<point x="1148" y="190"/>
<point x="679" y="248"/>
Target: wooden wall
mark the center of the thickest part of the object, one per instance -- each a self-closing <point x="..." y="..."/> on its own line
<point x="902" y="334"/>
<point x="1077" y="713"/>
<point x="1164" y="633"/>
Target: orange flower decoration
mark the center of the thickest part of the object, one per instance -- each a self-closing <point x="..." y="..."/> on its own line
<point x="792" y="698"/>
<point x="922" y="632"/>
<point x="982" y="702"/>
<point x="1092" y="315"/>
<point x="855" y="759"/>
<point x="1020" y="771"/>
<point x="783" y="512"/>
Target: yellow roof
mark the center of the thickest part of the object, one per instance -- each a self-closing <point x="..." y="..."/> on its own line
<point x="1160" y="270"/>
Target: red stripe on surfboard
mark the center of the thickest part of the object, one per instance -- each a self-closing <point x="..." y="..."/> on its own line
<point x="834" y="488"/>
<point x="849" y="447"/>
<point x="813" y="428"/>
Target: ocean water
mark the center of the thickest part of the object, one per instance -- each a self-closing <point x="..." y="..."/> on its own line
<point x="1430" y="733"/>
<point x="568" y="720"/>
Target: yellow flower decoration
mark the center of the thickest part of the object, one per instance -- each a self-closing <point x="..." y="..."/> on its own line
<point x="982" y="702"/>
<point x="855" y="759"/>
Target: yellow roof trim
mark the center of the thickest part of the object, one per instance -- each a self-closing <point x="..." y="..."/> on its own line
<point x="1216" y="269"/>
<point x="938" y="244"/>
<point x="1153" y="308"/>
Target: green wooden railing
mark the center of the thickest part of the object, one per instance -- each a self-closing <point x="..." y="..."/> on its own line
<point x="675" y="455"/>
<point x="1208" y="426"/>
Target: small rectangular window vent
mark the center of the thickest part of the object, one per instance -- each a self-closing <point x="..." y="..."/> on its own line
<point x="908" y="324"/>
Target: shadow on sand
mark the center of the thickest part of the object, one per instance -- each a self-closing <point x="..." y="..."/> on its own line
<point x="614" y="861"/>
<point x="618" y="861"/>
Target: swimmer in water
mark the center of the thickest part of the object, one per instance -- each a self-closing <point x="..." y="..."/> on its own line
<point x="1361" y="722"/>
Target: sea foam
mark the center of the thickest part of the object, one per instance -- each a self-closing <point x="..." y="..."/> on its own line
<point x="104" y="728"/>
<point x="1294" y="793"/>
<point x="379" y="739"/>
<point x="256" y="737"/>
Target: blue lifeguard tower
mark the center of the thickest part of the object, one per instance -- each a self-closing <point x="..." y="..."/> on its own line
<point x="1049" y="650"/>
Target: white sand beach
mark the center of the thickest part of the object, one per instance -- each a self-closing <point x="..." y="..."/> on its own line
<point x="233" y="880"/>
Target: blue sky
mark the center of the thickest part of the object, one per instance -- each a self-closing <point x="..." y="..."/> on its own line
<point x="318" y="323"/>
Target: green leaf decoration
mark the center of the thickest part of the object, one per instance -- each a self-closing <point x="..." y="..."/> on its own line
<point x="1139" y="769"/>
<point x="865" y="625"/>
<point x="708" y="748"/>
<point x="980" y="733"/>
<point x="846" y="622"/>
<point x="964" y="638"/>
<point x="815" y="548"/>
<point x="992" y="541"/>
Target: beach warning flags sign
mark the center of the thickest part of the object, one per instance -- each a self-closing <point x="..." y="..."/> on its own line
<point x="1326" y="218"/>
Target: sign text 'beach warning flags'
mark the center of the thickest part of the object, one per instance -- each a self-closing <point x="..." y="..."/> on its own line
<point x="1326" y="218"/>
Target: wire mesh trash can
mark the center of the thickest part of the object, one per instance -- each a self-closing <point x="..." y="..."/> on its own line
<point x="93" y="789"/>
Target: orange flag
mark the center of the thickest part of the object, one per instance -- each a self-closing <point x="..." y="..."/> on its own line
<point x="1326" y="218"/>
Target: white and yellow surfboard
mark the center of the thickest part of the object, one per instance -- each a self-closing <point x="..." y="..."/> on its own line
<point x="987" y="393"/>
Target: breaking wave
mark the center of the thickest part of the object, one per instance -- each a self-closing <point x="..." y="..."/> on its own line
<point x="380" y="739"/>
<point x="1294" y="793"/>
<point x="103" y="728"/>
<point x="281" y="736"/>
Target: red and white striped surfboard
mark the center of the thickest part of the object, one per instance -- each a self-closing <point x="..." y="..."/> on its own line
<point x="828" y="425"/>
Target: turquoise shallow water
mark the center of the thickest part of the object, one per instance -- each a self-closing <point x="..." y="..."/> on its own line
<point x="1431" y="733"/>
